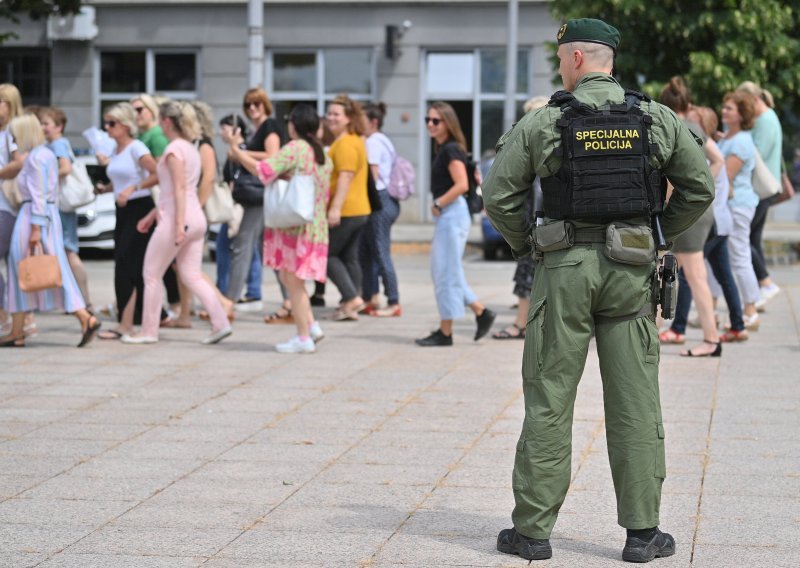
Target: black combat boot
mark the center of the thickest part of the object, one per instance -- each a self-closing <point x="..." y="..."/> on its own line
<point x="512" y="542"/>
<point x="645" y="547"/>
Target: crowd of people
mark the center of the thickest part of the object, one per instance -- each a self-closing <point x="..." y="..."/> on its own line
<point x="728" y="237"/>
<point x="164" y="168"/>
<point x="162" y="171"/>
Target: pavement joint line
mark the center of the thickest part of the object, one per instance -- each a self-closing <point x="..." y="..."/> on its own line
<point x="113" y="446"/>
<point x="492" y="421"/>
<point x="171" y="483"/>
<point x="587" y="451"/>
<point x="403" y="404"/>
<point x="706" y="459"/>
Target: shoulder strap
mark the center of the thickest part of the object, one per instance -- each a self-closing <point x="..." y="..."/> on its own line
<point x="560" y="98"/>
<point x="392" y="151"/>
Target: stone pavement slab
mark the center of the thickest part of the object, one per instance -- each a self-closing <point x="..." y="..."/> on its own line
<point x="371" y="452"/>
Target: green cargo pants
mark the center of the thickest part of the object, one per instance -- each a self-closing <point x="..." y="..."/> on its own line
<point x="571" y="288"/>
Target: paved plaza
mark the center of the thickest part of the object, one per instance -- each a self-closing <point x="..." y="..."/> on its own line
<point x="372" y="452"/>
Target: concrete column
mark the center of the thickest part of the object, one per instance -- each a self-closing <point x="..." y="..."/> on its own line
<point x="255" y="43"/>
<point x="510" y="107"/>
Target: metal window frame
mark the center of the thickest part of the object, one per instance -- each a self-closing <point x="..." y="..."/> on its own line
<point x="320" y="94"/>
<point x="150" y="75"/>
<point x="477" y="98"/>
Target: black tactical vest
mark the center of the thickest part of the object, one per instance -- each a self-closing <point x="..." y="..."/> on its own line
<point x="605" y="174"/>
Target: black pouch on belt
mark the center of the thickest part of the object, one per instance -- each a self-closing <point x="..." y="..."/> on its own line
<point x="557" y="235"/>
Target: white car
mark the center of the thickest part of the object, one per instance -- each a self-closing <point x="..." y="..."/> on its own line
<point x="96" y="223"/>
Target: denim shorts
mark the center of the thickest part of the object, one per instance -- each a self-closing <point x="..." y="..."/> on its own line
<point x="69" y="224"/>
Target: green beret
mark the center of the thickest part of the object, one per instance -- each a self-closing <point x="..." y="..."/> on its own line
<point x="591" y="30"/>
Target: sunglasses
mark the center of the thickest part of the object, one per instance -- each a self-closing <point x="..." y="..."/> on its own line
<point x="250" y="104"/>
<point x="109" y="123"/>
<point x="431" y="120"/>
<point x="138" y="109"/>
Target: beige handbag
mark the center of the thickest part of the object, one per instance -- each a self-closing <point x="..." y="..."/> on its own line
<point x="219" y="207"/>
<point x="38" y="271"/>
<point x="764" y="183"/>
<point x="11" y="193"/>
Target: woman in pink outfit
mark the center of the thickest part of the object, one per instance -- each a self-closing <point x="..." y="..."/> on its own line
<point x="181" y="227"/>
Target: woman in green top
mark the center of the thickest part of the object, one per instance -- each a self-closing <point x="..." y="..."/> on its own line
<point x="147" y="122"/>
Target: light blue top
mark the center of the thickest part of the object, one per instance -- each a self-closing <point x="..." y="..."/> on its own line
<point x="722" y="214"/>
<point x="7" y="147"/>
<point x="61" y="148"/>
<point x="768" y="138"/>
<point x="741" y="145"/>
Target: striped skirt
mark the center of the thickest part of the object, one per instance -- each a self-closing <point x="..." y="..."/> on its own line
<point x="67" y="298"/>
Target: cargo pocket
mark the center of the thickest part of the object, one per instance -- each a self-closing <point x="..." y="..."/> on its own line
<point x="653" y="353"/>
<point x="567" y="257"/>
<point x="532" y="357"/>
<point x="661" y="464"/>
<point x="518" y="481"/>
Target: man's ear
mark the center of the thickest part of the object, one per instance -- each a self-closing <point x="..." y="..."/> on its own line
<point x="577" y="58"/>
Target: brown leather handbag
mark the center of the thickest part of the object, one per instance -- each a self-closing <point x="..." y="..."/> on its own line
<point x="38" y="271"/>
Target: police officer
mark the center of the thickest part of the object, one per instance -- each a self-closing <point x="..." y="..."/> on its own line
<point x="602" y="154"/>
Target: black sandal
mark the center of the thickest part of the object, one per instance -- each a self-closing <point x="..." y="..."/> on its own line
<point x="716" y="353"/>
<point x="90" y="331"/>
<point x="13" y="342"/>
<point x="504" y="334"/>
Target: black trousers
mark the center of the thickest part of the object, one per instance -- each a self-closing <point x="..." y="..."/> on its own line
<point x="756" y="236"/>
<point x="129" y="248"/>
<point x="344" y="268"/>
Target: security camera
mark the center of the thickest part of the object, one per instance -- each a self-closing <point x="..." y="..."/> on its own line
<point x="407" y="25"/>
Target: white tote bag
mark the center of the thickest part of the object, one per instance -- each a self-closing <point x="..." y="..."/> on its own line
<point x="764" y="183"/>
<point x="219" y="207"/>
<point x="289" y="204"/>
<point x="76" y="189"/>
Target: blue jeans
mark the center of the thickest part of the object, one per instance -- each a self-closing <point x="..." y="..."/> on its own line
<point x="716" y="252"/>
<point x="224" y="266"/>
<point x="376" y="251"/>
<point x="449" y="240"/>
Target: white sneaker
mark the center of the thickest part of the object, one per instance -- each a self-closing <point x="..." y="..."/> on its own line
<point x="247" y="305"/>
<point x="218" y="336"/>
<point x="138" y="339"/>
<point x="769" y="292"/>
<point x="316" y="332"/>
<point x="296" y="345"/>
<point x="761" y="305"/>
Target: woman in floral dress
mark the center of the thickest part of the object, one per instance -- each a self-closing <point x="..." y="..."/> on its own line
<point x="299" y="253"/>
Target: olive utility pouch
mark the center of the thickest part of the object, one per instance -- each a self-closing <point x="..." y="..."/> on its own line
<point x="554" y="236"/>
<point x="629" y="244"/>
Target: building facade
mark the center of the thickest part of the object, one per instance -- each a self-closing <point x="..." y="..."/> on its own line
<point x="313" y="50"/>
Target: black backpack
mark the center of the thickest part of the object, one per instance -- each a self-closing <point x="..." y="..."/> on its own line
<point x="473" y="196"/>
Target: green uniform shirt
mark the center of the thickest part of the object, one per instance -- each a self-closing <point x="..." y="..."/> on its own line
<point x="526" y="151"/>
<point x="155" y="141"/>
